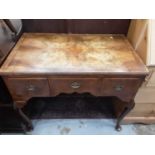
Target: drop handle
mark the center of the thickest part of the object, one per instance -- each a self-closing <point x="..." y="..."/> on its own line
<point x="75" y="85"/>
<point x="119" y="87"/>
<point x="31" y="88"/>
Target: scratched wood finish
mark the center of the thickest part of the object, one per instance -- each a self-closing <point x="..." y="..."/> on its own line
<point x="72" y="54"/>
<point x="50" y="64"/>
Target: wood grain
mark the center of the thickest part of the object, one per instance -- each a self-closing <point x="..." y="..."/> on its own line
<point x="25" y="88"/>
<point x="66" y="85"/>
<point x="50" y="64"/>
<point x="75" y="54"/>
<point x="138" y="36"/>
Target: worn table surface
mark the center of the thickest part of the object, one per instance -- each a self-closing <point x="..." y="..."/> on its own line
<point x="72" y="53"/>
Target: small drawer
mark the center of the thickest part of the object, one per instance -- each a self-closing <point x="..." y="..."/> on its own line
<point x="124" y="88"/>
<point x="75" y="85"/>
<point x="25" y="88"/>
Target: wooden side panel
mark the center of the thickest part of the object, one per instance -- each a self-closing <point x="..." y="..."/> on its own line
<point x="137" y="35"/>
<point x="98" y="26"/>
<point x="142" y="113"/>
<point x="45" y="25"/>
<point x="151" y="48"/>
<point x="144" y="110"/>
<point x="151" y="82"/>
<point x="84" y="26"/>
<point x="145" y="95"/>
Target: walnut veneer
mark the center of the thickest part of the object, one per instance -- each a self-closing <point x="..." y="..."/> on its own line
<point x="44" y="64"/>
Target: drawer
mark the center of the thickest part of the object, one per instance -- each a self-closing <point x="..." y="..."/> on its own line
<point x="25" y="88"/>
<point x="75" y="85"/>
<point x="124" y="88"/>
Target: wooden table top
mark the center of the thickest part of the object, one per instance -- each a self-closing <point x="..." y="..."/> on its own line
<point x="45" y="53"/>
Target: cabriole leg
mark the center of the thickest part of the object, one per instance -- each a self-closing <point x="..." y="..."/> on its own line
<point x="25" y="118"/>
<point x="126" y="110"/>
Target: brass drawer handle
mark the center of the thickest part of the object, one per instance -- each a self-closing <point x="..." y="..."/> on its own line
<point x="119" y="88"/>
<point x="31" y="88"/>
<point x="75" y="85"/>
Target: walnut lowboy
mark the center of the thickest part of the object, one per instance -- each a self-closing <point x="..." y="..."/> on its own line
<point x="43" y="65"/>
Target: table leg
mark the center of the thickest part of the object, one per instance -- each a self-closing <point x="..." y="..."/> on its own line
<point x="25" y="118"/>
<point x="126" y="110"/>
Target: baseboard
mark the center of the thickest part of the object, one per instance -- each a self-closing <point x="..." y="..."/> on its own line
<point x="138" y="119"/>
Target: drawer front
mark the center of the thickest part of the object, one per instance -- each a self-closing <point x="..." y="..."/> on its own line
<point x="75" y="85"/>
<point x="124" y="88"/>
<point x="25" y="88"/>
